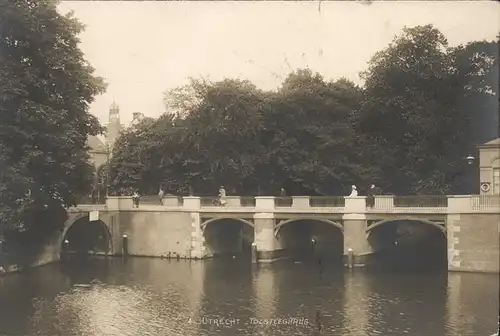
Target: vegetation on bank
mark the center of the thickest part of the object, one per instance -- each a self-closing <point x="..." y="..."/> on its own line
<point x="423" y="108"/>
<point x="46" y="87"/>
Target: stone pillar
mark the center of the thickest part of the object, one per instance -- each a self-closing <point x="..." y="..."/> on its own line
<point x="300" y="202"/>
<point x="355" y="224"/>
<point x="266" y="242"/>
<point x="456" y="206"/>
<point x="119" y="202"/>
<point x="264" y="204"/>
<point x="268" y="246"/>
<point x="193" y="205"/>
<point x="170" y="201"/>
<point x="233" y="201"/>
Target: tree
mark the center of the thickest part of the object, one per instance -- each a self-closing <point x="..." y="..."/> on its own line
<point x="314" y="143"/>
<point x="408" y="130"/>
<point x="412" y="111"/>
<point x="130" y="157"/>
<point x="220" y="138"/>
<point x="46" y="87"/>
<point x="230" y="133"/>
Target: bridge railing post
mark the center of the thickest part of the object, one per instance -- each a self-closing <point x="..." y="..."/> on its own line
<point x="119" y="202"/>
<point x="233" y="201"/>
<point x="171" y="201"/>
<point x="300" y="202"/>
<point x="459" y="203"/>
<point x="264" y="203"/>
<point x="191" y="202"/>
<point x="356" y="204"/>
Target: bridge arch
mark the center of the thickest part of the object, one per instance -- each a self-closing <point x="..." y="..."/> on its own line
<point x="441" y="228"/>
<point x="229" y="236"/>
<point x="78" y="218"/>
<point x="215" y="219"/>
<point x="280" y="225"/>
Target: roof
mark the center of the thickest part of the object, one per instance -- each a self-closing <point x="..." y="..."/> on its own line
<point x="493" y="142"/>
<point x="114" y="106"/>
<point x="96" y="144"/>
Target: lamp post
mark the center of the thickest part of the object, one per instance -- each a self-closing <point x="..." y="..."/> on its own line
<point x="470" y="159"/>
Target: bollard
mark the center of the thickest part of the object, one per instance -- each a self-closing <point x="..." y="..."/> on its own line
<point x="254" y="253"/>
<point x="124" y="245"/>
<point x="350" y="258"/>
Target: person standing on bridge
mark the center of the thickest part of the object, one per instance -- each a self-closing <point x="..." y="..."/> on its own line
<point x="372" y="191"/>
<point x="354" y="191"/>
<point x="222" y="196"/>
<point x="161" y="193"/>
<point x="136" y="197"/>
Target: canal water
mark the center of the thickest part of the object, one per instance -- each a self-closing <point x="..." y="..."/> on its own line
<point x="141" y="296"/>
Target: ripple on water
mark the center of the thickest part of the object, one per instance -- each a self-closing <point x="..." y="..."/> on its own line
<point x="172" y="303"/>
<point x="112" y="310"/>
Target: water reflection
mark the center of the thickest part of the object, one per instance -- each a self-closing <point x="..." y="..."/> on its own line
<point x="467" y="300"/>
<point x="406" y="304"/>
<point x="168" y="297"/>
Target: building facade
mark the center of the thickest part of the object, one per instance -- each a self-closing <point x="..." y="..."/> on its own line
<point x="489" y="167"/>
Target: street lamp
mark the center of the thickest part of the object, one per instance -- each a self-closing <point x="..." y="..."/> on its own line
<point x="470" y="159"/>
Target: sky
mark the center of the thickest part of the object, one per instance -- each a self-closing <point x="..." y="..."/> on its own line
<point x="144" y="48"/>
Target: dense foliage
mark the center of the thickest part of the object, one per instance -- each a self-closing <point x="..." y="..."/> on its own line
<point x="421" y="101"/>
<point x="407" y="130"/>
<point x="46" y="87"/>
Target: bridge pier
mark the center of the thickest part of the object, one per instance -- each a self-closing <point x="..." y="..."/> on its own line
<point x="197" y="239"/>
<point x="267" y="245"/>
<point x="355" y="224"/>
<point x="355" y="239"/>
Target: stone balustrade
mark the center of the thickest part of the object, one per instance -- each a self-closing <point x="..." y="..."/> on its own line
<point x="358" y="204"/>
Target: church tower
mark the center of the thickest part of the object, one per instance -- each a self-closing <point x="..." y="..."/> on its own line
<point x="114" y="126"/>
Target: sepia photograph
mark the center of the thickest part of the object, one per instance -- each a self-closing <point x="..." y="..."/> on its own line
<point x="226" y="168"/>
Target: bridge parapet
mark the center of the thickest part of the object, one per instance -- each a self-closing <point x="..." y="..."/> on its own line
<point x="473" y="203"/>
<point x="358" y="204"/>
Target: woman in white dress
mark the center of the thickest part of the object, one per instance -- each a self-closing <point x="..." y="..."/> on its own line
<point x="354" y="191"/>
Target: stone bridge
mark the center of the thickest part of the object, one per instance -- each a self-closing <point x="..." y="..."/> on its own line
<point x="194" y="228"/>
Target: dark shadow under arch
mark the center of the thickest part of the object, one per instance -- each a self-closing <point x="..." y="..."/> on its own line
<point x="85" y="218"/>
<point x="228" y="236"/>
<point x="211" y="220"/>
<point x="441" y="228"/>
<point x="278" y="227"/>
<point x="422" y="245"/>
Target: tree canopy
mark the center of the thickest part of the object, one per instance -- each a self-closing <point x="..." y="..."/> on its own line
<point x="408" y="129"/>
<point x="46" y="87"/>
<point x="418" y="108"/>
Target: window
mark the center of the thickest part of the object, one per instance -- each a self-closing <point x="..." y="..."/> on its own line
<point x="496" y="181"/>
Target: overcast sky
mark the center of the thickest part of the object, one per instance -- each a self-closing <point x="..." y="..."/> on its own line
<point x="144" y="48"/>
